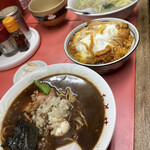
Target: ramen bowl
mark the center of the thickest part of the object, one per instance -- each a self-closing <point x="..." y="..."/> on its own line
<point x="109" y="66"/>
<point x="48" y="12"/>
<point x="75" y="70"/>
<point x="118" y="13"/>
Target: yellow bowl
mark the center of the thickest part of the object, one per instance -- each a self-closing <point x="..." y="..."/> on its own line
<point x="48" y="12"/>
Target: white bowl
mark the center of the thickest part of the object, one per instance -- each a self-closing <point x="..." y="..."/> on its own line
<point x="74" y="69"/>
<point x="119" y="13"/>
<point x="111" y="66"/>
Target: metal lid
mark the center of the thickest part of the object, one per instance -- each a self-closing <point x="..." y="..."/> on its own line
<point x="4" y="35"/>
<point x="9" y="11"/>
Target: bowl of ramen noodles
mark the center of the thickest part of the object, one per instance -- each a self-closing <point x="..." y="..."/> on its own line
<point x="103" y="44"/>
<point x="59" y="107"/>
<point x="103" y="8"/>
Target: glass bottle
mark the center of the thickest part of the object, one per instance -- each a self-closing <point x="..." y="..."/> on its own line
<point x="19" y="38"/>
<point x="24" y="3"/>
<point x="7" y="45"/>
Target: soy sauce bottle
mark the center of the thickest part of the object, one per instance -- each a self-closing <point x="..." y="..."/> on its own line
<point x="19" y="38"/>
<point x="7" y="45"/>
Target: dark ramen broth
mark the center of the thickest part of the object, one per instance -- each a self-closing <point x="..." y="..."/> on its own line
<point x="88" y="96"/>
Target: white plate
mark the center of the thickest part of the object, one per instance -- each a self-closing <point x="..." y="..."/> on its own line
<point x="20" y="72"/>
<point x="77" y="70"/>
<point x="17" y="59"/>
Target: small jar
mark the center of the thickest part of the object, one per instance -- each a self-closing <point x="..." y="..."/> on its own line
<point x="15" y="12"/>
<point x="19" y="38"/>
<point x="7" y="45"/>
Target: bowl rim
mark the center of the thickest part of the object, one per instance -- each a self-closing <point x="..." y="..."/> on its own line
<point x="105" y="13"/>
<point x="102" y="19"/>
<point x="45" y="10"/>
<point x="74" y="69"/>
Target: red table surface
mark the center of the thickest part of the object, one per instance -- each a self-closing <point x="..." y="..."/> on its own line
<point x="122" y="81"/>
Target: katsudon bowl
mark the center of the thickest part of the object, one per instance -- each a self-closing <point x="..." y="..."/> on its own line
<point x="73" y="51"/>
<point x="82" y="82"/>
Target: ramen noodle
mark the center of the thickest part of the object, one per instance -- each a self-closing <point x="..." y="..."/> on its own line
<point x="100" y="42"/>
<point x="67" y="113"/>
<point x="102" y="6"/>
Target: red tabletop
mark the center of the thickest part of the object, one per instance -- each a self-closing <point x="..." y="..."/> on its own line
<point x="122" y="81"/>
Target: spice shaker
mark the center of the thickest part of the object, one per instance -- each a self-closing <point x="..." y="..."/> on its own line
<point x="19" y="38"/>
<point x="7" y="45"/>
<point x="15" y="12"/>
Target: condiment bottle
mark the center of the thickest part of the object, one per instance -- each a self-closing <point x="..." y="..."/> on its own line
<point x="7" y="45"/>
<point x="19" y="38"/>
<point x="15" y="12"/>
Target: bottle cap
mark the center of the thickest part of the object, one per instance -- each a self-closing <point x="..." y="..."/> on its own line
<point x="10" y="24"/>
<point x="4" y="35"/>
